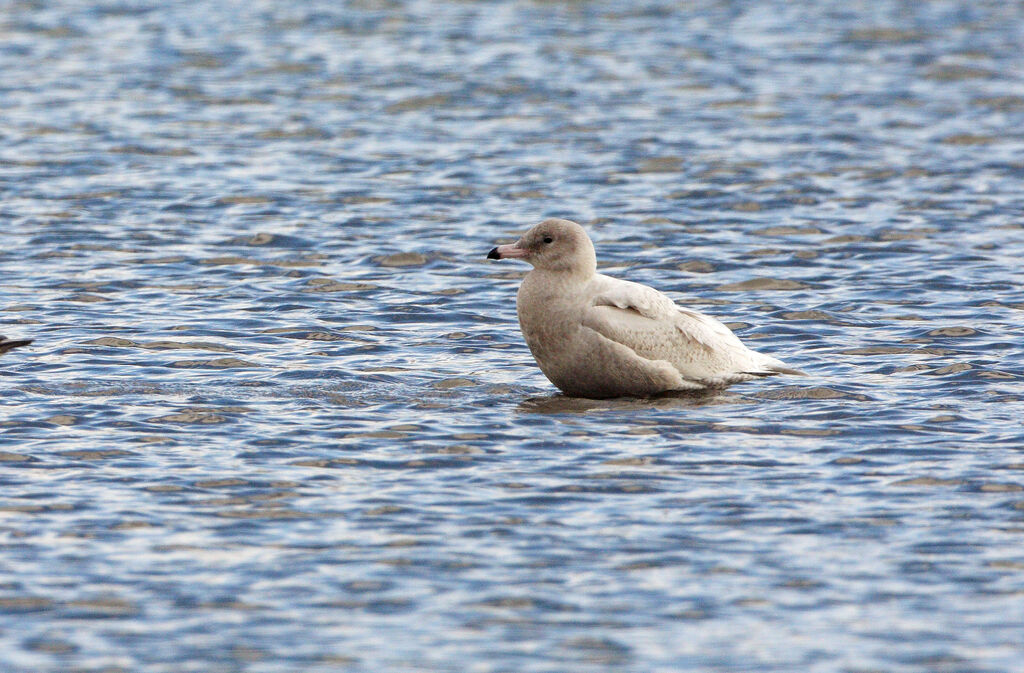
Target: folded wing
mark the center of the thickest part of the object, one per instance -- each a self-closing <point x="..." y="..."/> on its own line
<point x="654" y="327"/>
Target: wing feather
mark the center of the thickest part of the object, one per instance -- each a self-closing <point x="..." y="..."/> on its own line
<point x="654" y="327"/>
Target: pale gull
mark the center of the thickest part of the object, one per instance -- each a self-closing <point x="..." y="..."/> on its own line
<point x="597" y="336"/>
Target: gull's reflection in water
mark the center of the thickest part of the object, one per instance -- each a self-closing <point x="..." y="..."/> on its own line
<point x="563" y="404"/>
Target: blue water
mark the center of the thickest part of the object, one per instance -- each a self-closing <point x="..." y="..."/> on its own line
<point x="278" y="414"/>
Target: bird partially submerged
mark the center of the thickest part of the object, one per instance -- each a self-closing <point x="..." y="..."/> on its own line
<point x="597" y="336"/>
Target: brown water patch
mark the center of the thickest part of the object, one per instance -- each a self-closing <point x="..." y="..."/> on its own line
<point x="258" y="238"/>
<point x="969" y="139"/>
<point x="895" y="350"/>
<point x="953" y="331"/>
<point x="185" y="345"/>
<point x="19" y="604"/>
<point x="927" y="481"/>
<point x="7" y="457"/>
<point x="97" y="454"/>
<point x="884" y="34"/>
<point x="787" y="231"/>
<point x="402" y="259"/>
<point x="330" y="285"/>
<point x="218" y="363"/>
<point x="819" y="316"/>
<point x="244" y="200"/>
<point x="448" y="384"/>
<point x="759" y="284"/>
<point x="696" y="267"/>
<point x="113" y="342"/>
<point x="87" y="298"/>
<point x="992" y="487"/>
<point x="801" y="393"/>
<point x="414" y="103"/>
<point x="957" y="73"/>
<point x="660" y="165"/>
<point x="191" y="417"/>
<point x="1004" y="103"/>
<point x="951" y="369"/>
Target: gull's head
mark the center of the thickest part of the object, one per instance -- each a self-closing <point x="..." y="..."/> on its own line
<point x="553" y="245"/>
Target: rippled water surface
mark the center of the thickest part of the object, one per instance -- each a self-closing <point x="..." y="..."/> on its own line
<point x="278" y="414"/>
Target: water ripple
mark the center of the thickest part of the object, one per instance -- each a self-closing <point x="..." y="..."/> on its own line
<point x="278" y="414"/>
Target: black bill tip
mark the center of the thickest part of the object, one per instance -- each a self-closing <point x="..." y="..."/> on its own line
<point x="493" y="254"/>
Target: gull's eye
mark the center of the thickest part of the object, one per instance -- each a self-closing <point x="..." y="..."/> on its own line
<point x="548" y="239"/>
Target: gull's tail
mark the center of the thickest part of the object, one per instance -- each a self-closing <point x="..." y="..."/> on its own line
<point x="787" y="370"/>
<point x="769" y="366"/>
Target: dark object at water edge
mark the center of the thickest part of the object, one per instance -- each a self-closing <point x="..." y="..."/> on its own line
<point x="7" y="344"/>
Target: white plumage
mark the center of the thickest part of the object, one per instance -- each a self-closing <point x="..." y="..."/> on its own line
<point x="597" y="336"/>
